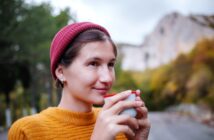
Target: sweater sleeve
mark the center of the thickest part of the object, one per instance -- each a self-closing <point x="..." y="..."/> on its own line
<point x="16" y="132"/>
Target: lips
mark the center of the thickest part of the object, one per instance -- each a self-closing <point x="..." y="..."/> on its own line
<point x="101" y="90"/>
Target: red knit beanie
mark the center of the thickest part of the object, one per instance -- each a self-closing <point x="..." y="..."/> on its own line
<point x="65" y="36"/>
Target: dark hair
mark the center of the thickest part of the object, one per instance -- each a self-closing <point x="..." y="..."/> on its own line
<point x="75" y="46"/>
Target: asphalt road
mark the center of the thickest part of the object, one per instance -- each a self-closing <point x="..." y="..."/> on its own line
<point x="168" y="126"/>
<point x="3" y="135"/>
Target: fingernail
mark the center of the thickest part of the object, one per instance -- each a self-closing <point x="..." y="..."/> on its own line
<point x="129" y="92"/>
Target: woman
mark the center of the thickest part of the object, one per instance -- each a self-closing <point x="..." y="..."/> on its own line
<point x="82" y="59"/>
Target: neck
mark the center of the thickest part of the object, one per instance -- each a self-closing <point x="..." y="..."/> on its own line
<point x="69" y="102"/>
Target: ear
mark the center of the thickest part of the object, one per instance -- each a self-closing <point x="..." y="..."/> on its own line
<point x="59" y="73"/>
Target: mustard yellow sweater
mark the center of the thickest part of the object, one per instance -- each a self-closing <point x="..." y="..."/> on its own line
<point x="55" y="124"/>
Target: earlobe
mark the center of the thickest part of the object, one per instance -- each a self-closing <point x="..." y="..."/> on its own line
<point x="59" y="73"/>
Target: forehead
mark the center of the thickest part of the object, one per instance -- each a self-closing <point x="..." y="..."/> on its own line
<point x="102" y="49"/>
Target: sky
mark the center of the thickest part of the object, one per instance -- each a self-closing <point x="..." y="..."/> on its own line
<point x="129" y="21"/>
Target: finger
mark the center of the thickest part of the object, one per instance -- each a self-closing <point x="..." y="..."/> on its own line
<point x="127" y="120"/>
<point x="126" y="130"/>
<point x="144" y="123"/>
<point x="138" y="92"/>
<point x="142" y="112"/>
<point x="139" y="99"/>
<point x="116" y="98"/>
<point x="122" y="105"/>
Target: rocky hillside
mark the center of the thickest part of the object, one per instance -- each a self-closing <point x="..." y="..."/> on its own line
<point x="174" y="34"/>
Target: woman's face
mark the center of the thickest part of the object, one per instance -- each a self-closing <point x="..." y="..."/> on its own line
<point x="91" y="74"/>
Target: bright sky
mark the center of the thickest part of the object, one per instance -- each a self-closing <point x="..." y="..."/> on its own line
<point x="129" y="21"/>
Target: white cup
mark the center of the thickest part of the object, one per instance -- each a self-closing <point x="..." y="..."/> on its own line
<point x="129" y="111"/>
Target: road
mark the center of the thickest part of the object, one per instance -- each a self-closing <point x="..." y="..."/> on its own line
<point x="3" y="135"/>
<point x="168" y="126"/>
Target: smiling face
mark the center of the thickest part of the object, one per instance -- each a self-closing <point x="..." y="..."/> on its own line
<point x="91" y="74"/>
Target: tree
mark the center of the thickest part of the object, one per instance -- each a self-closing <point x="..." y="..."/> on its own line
<point x="11" y="68"/>
<point x="26" y="32"/>
<point x="35" y="35"/>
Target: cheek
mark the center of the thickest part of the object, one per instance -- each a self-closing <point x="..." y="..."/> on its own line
<point x="81" y="82"/>
<point x="88" y="78"/>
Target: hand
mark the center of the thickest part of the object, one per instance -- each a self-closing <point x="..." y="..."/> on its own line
<point x="142" y="118"/>
<point x="109" y="123"/>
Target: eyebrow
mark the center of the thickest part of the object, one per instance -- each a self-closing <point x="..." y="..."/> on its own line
<point x="98" y="59"/>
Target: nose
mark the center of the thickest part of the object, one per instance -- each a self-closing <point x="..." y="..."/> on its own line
<point x="106" y="75"/>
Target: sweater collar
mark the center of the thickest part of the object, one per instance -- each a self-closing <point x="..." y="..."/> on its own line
<point x="69" y="117"/>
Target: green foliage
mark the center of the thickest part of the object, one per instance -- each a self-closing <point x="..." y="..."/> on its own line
<point x="124" y="80"/>
<point x="9" y="11"/>
<point x="26" y="32"/>
<point x="189" y="78"/>
<point x="209" y="99"/>
<point x="160" y="77"/>
<point x="203" y="54"/>
<point x="199" y="82"/>
<point x="12" y="69"/>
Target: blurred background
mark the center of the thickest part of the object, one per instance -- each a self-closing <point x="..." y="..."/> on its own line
<point x="166" y="49"/>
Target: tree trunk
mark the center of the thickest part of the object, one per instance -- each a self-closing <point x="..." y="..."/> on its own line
<point x="8" y="111"/>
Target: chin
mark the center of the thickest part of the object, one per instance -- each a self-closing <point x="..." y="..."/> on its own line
<point x="99" y="102"/>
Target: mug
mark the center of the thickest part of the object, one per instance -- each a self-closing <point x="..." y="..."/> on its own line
<point x="129" y="111"/>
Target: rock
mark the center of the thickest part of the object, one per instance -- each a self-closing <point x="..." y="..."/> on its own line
<point x="173" y="35"/>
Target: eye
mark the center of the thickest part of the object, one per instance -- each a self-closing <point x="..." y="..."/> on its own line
<point x="111" y="64"/>
<point x="94" y="63"/>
